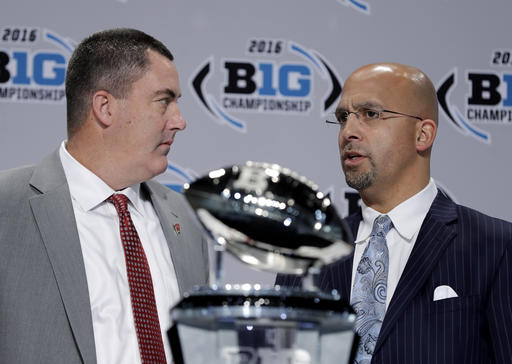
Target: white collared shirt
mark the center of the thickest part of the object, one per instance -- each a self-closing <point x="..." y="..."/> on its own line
<point x="407" y="219"/>
<point x="105" y="266"/>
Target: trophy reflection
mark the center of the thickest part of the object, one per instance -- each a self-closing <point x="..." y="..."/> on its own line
<point x="275" y="220"/>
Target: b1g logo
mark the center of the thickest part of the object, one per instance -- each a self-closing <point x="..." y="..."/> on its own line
<point x="277" y="78"/>
<point x="28" y="71"/>
<point x="488" y="98"/>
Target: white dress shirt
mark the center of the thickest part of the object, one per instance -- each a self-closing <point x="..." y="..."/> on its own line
<point x="407" y="219"/>
<point x="105" y="266"/>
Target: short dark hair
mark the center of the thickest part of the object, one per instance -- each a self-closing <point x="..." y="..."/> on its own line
<point x="109" y="60"/>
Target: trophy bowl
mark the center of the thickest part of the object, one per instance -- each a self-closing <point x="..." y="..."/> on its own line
<point x="269" y="217"/>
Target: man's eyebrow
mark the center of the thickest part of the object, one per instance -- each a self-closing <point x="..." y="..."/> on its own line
<point x="168" y="92"/>
<point x="370" y="104"/>
<point x="360" y="105"/>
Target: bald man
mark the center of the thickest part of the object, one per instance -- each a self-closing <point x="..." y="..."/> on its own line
<point x="430" y="280"/>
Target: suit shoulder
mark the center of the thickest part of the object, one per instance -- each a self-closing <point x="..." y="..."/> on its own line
<point x="471" y="219"/>
<point x="16" y="173"/>
<point x="478" y="216"/>
<point x="15" y="189"/>
<point x="14" y="182"/>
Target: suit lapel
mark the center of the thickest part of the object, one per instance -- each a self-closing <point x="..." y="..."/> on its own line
<point x="53" y="212"/>
<point x="353" y="222"/>
<point x="171" y="225"/>
<point x="344" y="266"/>
<point x="434" y="237"/>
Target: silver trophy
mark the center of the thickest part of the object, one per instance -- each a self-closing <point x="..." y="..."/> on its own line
<point x="275" y="220"/>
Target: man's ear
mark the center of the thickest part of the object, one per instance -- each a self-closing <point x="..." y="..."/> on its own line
<point x="102" y="107"/>
<point x="425" y="134"/>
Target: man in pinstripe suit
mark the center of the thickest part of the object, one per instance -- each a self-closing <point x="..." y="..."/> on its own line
<point x="449" y="282"/>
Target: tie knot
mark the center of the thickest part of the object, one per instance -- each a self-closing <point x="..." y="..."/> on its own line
<point x="382" y="225"/>
<point x="120" y="202"/>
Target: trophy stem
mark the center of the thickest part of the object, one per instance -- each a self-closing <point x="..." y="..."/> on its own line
<point x="219" y="250"/>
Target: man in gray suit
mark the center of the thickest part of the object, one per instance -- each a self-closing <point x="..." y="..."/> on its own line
<point x="65" y="294"/>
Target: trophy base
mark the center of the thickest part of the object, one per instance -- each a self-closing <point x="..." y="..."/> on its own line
<point x="262" y="327"/>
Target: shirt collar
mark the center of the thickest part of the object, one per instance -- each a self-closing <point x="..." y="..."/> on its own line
<point x="407" y="217"/>
<point x="87" y="189"/>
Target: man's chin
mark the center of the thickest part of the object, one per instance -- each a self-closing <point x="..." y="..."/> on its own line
<point x="161" y="169"/>
<point x="359" y="181"/>
<point x="157" y="167"/>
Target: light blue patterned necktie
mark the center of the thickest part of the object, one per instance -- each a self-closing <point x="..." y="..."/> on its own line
<point x="370" y="289"/>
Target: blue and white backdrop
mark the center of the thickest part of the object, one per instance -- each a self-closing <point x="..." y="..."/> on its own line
<point x="258" y="78"/>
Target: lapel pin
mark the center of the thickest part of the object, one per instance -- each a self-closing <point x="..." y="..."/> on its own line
<point x="177" y="229"/>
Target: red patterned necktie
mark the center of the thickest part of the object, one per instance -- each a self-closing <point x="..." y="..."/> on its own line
<point x="144" y="309"/>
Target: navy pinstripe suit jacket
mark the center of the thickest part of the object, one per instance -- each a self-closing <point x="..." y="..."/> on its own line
<point x="458" y="247"/>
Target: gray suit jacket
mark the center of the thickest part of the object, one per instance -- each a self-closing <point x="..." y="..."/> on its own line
<point x="45" y="314"/>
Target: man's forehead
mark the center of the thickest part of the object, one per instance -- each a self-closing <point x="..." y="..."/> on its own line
<point x="162" y="71"/>
<point x="373" y="89"/>
<point x="363" y="94"/>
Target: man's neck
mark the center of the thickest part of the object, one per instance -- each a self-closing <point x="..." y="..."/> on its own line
<point x="384" y="200"/>
<point x="97" y="162"/>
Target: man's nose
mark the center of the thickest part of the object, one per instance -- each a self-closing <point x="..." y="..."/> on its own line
<point x="176" y="120"/>
<point x="352" y="128"/>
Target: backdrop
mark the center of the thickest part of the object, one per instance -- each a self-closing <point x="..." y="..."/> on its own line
<point x="258" y="78"/>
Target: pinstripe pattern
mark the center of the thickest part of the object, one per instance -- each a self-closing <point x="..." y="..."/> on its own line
<point x="461" y="248"/>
